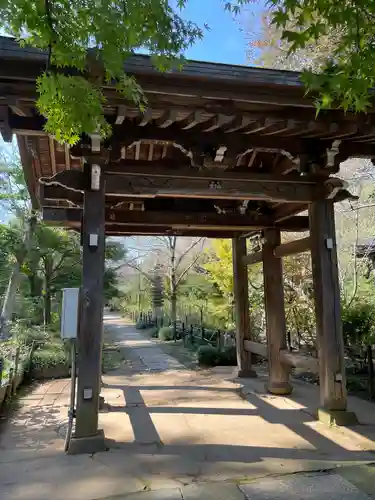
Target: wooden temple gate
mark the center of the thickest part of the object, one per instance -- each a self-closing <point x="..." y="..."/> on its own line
<point x="221" y="151"/>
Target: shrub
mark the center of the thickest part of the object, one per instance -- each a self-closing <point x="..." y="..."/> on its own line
<point x="166" y="333"/>
<point x="208" y="355"/>
<point x="153" y="332"/>
<point x="51" y="355"/>
<point x="358" y="323"/>
<point x="228" y="356"/>
<point x="35" y="334"/>
<point x="140" y="325"/>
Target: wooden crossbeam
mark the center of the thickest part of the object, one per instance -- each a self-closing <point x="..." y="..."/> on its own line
<point x="210" y="221"/>
<point x="175" y="170"/>
<point x="288" y="358"/>
<point x="293" y="247"/>
<point x="113" y="230"/>
<point x="253" y="258"/>
<point x="205" y="185"/>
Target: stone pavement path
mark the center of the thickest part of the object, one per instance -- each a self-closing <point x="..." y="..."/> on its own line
<point x="174" y="433"/>
<point x="144" y="354"/>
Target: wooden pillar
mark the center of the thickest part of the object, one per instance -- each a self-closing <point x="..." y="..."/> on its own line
<point x="333" y="395"/>
<point x="278" y="382"/>
<point x="241" y="299"/>
<point x="91" y="320"/>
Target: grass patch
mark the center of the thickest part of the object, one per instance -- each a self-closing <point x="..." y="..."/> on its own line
<point x="111" y="359"/>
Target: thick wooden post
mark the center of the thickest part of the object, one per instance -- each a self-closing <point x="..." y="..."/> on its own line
<point x="278" y="382"/>
<point x="333" y="395"/>
<point x="241" y="298"/>
<point x="87" y="436"/>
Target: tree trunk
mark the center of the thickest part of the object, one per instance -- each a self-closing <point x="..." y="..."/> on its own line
<point x="174" y="312"/>
<point x="14" y="280"/>
<point x="173" y="286"/>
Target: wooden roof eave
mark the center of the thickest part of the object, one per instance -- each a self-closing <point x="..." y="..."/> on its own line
<point x="26" y="63"/>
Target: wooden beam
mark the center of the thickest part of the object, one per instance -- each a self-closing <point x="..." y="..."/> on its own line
<point x="253" y="258"/>
<point x="333" y="395"/>
<point x="167" y="119"/>
<point x="169" y="169"/>
<point x="298" y="222"/>
<point x="278" y="380"/>
<point x="239" y="123"/>
<point x="177" y="220"/>
<point x="257" y="348"/>
<point x="6" y="130"/>
<point x="59" y="193"/>
<point x="114" y="230"/>
<point x="192" y="184"/>
<point x="297" y="360"/>
<point x="215" y="123"/>
<point x="128" y="133"/>
<point x="91" y="319"/>
<point x="287" y="358"/>
<point x="208" y="188"/>
<point x="176" y="170"/>
<point x="191" y="121"/>
<point x="241" y="300"/>
<point x="292" y="247"/>
<point x="121" y="114"/>
<point x="285" y="210"/>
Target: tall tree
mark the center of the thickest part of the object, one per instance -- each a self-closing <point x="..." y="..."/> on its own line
<point x="274" y="51"/>
<point x="175" y="257"/>
<point x="347" y="73"/>
<point x="15" y="202"/>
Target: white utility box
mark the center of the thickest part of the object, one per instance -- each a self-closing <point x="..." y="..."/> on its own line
<point x="69" y="313"/>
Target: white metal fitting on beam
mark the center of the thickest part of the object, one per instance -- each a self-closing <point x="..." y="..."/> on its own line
<point x="95" y="177"/>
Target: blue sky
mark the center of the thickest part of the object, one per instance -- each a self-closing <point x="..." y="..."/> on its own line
<point x="225" y="42"/>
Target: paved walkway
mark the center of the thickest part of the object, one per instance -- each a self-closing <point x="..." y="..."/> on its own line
<point x="174" y="433"/>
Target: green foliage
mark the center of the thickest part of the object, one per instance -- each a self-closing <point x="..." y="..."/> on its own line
<point x="94" y="39"/>
<point x="358" y="321"/>
<point x="52" y="354"/>
<point x="153" y="332"/>
<point x="32" y="335"/>
<point x="219" y="269"/>
<point x="347" y="73"/>
<point x="166" y="333"/>
<point x="140" y="325"/>
<point x="208" y="355"/>
<point x="228" y="356"/>
<point x="72" y="106"/>
<point x="111" y="360"/>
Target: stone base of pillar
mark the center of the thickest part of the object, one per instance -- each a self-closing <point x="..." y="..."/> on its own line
<point x="247" y="374"/>
<point x="337" y="417"/>
<point x="102" y="405"/>
<point x="87" y="445"/>
<point x="279" y="388"/>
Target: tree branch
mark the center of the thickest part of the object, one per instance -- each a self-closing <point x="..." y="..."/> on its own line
<point x="60" y="262"/>
<point x="194" y="244"/>
<point x="184" y="273"/>
<point x="132" y="266"/>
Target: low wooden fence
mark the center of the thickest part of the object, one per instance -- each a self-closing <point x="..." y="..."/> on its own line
<point x="192" y="335"/>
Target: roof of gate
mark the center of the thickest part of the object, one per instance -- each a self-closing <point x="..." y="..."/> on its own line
<point x="261" y="117"/>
